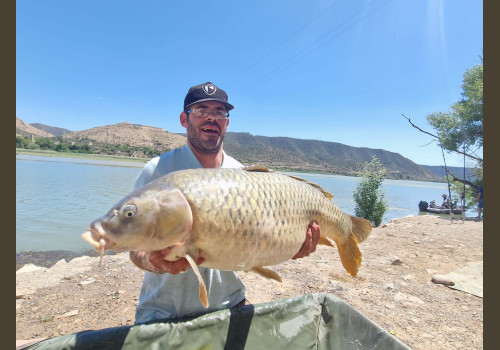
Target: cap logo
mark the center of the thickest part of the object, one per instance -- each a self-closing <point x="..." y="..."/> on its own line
<point x="209" y="89"/>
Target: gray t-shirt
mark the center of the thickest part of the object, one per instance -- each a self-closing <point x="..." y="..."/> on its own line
<point x="173" y="296"/>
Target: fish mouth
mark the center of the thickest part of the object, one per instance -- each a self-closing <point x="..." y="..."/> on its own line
<point x="98" y="241"/>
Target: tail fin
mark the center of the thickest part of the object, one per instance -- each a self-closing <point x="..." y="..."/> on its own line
<point x="350" y="255"/>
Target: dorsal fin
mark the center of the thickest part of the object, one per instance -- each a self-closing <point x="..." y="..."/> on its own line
<point x="258" y="168"/>
<point x="261" y="168"/>
<point x="325" y="192"/>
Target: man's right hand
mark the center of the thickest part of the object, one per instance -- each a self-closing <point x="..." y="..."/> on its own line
<point x="155" y="262"/>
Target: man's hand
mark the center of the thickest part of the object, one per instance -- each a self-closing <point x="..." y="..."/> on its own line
<point x="155" y="262"/>
<point x="312" y="238"/>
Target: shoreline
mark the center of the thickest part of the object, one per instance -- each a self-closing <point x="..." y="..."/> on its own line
<point x="49" y="258"/>
<point x="104" y="157"/>
<point x="88" y="156"/>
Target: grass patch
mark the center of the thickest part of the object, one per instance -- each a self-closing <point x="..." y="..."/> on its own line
<point x="46" y="318"/>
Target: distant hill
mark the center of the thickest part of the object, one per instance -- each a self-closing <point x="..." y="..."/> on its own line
<point x="283" y="153"/>
<point x="27" y="130"/>
<point x="51" y="129"/>
<point x="130" y="135"/>
<point x="457" y="171"/>
<point x="319" y="156"/>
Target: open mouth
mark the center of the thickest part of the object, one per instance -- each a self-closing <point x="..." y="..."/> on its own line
<point x="210" y="129"/>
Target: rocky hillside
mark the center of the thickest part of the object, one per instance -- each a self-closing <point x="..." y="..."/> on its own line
<point x="273" y="152"/>
<point x="134" y="135"/>
<point x="26" y="130"/>
<point x="51" y="129"/>
<point x="457" y="171"/>
<point x="319" y="156"/>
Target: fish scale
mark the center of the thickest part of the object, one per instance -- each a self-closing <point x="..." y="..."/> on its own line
<point x="242" y="219"/>
<point x="256" y="214"/>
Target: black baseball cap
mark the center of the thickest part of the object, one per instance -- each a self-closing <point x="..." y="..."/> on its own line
<point x="206" y="92"/>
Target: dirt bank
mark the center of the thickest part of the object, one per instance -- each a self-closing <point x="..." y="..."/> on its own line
<point x="393" y="288"/>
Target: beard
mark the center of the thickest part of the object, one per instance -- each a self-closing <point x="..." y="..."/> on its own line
<point x="212" y="145"/>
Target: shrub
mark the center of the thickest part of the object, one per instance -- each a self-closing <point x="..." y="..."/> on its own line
<point x="371" y="203"/>
<point x="45" y="143"/>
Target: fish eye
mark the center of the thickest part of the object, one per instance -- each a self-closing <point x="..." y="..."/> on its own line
<point x="129" y="210"/>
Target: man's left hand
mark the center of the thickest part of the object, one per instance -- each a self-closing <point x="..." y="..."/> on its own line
<point x="312" y="238"/>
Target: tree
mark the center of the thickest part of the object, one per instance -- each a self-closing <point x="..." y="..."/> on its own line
<point x="471" y="188"/>
<point x="461" y="129"/>
<point x="371" y="203"/>
<point x="21" y="142"/>
<point x="45" y="143"/>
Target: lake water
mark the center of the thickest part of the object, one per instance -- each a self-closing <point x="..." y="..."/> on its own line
<point x="57" y="198"/>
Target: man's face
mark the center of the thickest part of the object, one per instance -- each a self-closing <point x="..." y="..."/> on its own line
<point x="205" y="133"/>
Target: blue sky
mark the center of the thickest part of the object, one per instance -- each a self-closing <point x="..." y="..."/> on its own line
<point x="342" y="71"/>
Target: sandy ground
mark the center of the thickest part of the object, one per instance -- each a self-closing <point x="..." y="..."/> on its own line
<point x="393" y="287"/>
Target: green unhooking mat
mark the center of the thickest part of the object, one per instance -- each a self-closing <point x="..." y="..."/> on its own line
<point x="313" y="321"/>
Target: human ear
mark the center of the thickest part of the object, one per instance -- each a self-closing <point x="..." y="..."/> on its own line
<point x="183" y="119"/>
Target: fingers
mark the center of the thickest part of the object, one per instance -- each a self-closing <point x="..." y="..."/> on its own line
<point x="200" y="260"/>
<point x="313" y="236"/>
<point x="316" y="235"/>
<point x="160" y="265"/>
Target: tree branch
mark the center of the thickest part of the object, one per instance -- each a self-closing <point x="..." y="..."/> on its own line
<point x="473" y="186"/>
<point x="469" y="155"/>
<point x="437" y="137"/>
<point x="416" y="127"/>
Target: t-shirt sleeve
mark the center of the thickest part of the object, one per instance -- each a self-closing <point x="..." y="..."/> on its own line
<point x="146" y="174"/>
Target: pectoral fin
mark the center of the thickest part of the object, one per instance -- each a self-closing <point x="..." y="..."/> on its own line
<point x="203" y="289"/>
<point x="266" y="273"/>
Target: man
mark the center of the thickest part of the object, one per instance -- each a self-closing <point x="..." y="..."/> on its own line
<point x="479" y="200"/>
<point x="167" y="292"/>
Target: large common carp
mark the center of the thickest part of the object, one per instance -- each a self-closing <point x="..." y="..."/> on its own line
<point x="242" y="219"/>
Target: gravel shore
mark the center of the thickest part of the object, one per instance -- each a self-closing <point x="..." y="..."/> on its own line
<point x="394" y="287"/>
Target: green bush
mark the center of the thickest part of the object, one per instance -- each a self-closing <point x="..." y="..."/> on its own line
<point x="32" y="145"/>
<point x="62" y="147"/>
<point x="60" y="144"/>
<point x="371" y="203"/>
<point x="45" y="143"/>
<point x="22" y="142"/>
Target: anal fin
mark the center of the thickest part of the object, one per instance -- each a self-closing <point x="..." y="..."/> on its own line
<point x="325" y="241"/>
<point x="203" y="289"/>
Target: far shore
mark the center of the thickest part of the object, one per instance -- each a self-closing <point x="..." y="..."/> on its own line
<point x="104" y="157"/>
<point x="93" y="156"/>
